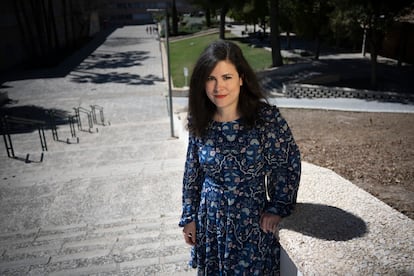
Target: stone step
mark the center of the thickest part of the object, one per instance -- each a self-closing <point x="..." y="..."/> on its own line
<point x="126" y="246"/>
<point x="121" y="134"/>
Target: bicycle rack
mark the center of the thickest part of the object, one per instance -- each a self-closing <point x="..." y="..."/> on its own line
<point x="7" y="129"/>
<point x="53" y="127"/>
<point x="6" y="120"/>
<point x="101" y="114"/>
<point x="6" y="136"/>
<point x="78" y="111"/>
<point x="52" y="122"/>
<point x="71" y="119"/>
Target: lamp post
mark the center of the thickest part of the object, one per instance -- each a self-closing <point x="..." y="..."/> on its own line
<point x="167" y="42"/>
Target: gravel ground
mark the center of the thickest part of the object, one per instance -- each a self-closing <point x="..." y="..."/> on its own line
<point x="373" y="150"/>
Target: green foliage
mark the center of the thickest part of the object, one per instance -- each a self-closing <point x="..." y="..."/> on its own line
<point x="348" y="17"/>
<point x="184" y="53"/>
<point x="337" y="22"/>
<point x="249" y="11"/>
<point x="345" y="26"/>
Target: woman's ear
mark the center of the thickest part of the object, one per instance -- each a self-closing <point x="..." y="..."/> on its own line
<point x="241" y="80"/>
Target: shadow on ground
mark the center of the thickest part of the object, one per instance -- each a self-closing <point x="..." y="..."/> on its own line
<point x="33" y="115"/>
<point x="325" y="222"/>
<point x="113" y="77"/>
<point x="113" y="60"/>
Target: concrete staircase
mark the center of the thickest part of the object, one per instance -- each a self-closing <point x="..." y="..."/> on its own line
<point x="144" y="246"/>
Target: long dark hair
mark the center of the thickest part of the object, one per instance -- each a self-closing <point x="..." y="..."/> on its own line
<point x="201" y="109"/>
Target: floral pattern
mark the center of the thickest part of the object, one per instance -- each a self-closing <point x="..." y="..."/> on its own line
<point x="224" y="193"/>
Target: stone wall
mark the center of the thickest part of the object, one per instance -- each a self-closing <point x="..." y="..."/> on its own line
<point x="298" y="90"/>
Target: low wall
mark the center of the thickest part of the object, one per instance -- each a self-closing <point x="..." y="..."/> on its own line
<point x="339" y="229"/>
<point x="298" y="90"/>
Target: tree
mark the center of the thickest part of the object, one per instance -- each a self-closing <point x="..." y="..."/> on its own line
<point x="174" y="18"/>
<point x="274" y="33"/>
<point x="311" y="21"/>
<point x="222" y="27"/>
<point x="250" y="11"/>
<point x="207" y="6"/>
<point x="376" y="16"/>
<point x="224" y="6"/>
<point x="286" y="17"/>
<point x="345" y="27"/>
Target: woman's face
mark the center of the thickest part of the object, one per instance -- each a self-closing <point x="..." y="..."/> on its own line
<point x="223" y="86"/>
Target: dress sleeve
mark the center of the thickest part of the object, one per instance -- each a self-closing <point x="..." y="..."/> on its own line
<point x="284" y="161"/>
<point x="192" y="182"/>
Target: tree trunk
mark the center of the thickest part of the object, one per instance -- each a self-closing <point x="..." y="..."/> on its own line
<point x="317" y="46"/>
<point x="223" y="13"/>
<point x="208" y="17"/>
<point x="374" y="42"/>
<point x="402" y="43"/>
<point x="274" y="33"/>
<point x="288" y="41"/>
<point x="374" y="56"/>
<point x="174" y="19"/>
<point x="317" y="30"/>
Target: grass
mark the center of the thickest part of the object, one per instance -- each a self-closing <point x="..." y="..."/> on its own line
<point x="184" y="53"/>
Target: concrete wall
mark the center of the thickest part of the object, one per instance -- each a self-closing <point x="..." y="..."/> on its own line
<point x="339" y="229"/>
<point x="43" y="34"/>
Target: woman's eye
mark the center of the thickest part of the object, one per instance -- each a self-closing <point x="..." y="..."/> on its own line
<point x="227" y="77"/>
<point x="210" y="78"/>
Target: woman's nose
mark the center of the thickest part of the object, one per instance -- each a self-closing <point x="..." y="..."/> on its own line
<point x="218" y="85"/>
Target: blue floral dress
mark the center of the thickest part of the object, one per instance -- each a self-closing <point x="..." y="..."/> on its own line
<point x="224" y="192"/>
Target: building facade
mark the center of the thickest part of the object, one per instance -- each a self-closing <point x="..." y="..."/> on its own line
<point x="133" y="12"/>
<point x="41" y="33"/>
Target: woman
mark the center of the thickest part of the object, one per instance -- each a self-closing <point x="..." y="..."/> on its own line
<point x="242" y="170"/>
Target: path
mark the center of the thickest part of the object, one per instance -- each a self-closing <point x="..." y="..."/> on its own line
<point x="111" y="203"/>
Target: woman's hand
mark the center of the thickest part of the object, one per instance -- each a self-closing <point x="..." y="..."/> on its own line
<point x="189" y="232"/>
<point x="269" y="222"/>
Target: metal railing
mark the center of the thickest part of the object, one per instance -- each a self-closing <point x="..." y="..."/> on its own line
<point x="7" y="120"/>
<point x="8" y="126"/>
<point x="101" y="114"/>
<point x="80" y="110"/>
<point x="71" y="119"/>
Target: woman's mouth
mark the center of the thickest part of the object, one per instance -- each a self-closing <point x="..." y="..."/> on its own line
<point x="220" y="96"/>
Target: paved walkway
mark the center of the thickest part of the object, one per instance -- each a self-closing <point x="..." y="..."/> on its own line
<point x="110" y="203"/>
